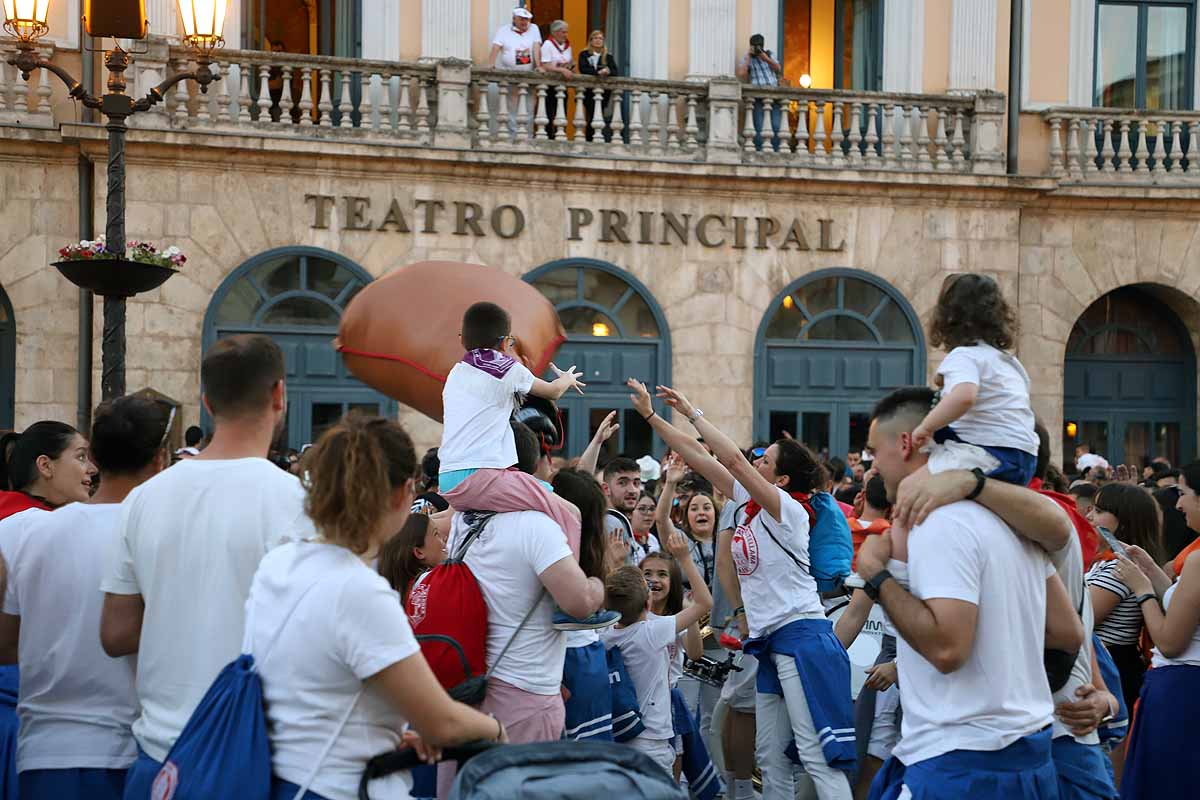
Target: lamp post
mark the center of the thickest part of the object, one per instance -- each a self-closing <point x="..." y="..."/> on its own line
<point x="203" y="20"/>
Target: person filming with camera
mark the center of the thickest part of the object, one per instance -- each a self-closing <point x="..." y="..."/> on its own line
<point x="760" y="68"/>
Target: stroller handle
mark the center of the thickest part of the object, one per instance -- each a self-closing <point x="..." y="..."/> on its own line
<point x="407" y="758"/>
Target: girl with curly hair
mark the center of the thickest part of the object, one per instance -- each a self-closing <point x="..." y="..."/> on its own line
<point x="983" y="419"/>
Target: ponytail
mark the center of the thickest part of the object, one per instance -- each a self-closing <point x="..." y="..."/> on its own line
<point x="18" y="467"/>
<point x="354" y="468"/>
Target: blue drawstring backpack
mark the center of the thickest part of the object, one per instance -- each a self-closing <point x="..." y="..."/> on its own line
<point x="830" y="547"/>
<point x="626" y="711"/>
<point x="223" y="750"/>
<point x="1112" y="732"/>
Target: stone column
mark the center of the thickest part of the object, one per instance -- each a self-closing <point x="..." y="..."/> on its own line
<point x="500" y="13"/>
<point x="453" y="103"/>
<point x="724" y="100"/>
<point x="381" y="34"/>
<point x="764" y="19"/>
<point x="162" y="16"/>
<point x="649" y="30"/>
<point x="712" y="49"/>
<point x="904" y="46"/>
<point x="446" y="29"/>
<point x="973" y="45"/>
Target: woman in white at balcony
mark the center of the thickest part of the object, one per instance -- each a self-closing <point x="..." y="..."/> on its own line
<point x="559" y="60"/>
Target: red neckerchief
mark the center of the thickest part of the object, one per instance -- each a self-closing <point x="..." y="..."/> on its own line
<point x="566" y="45"/>
<point x="752" y="508"/>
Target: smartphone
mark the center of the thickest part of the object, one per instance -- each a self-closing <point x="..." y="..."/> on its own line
<point x="1112" y="542"/>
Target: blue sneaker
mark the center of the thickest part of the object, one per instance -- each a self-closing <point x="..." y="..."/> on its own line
<point x="562" y="621"/>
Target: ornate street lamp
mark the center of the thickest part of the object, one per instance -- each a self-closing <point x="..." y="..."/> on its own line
<point x="25" y="20"/>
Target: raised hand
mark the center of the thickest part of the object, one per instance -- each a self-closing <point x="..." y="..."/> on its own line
<point x="676" y="400"/>
<point x="677" y="545"/>
<point x="571" y="373"/>
<point x="674" y="468"/>
<point x="640" y="398"/>
<point x="607" y="428"/>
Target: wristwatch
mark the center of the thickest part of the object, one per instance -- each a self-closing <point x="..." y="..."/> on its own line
<point x="980" y="480"/>
<point x="696" y="414"/>
<point x="873" y="586"/>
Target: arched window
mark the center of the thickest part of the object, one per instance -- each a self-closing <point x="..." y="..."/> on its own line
<point x="615" y="330"/>
<point x="1129" y="385"/>
<point x="830" y="345"/>
<point x="296" y="295"/>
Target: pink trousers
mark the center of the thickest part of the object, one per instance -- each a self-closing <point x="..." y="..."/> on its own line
<point x="505" y="490"/>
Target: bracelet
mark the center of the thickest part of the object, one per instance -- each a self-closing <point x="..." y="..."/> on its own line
<point x="696" y="414"/>
<point x="1142" y="598"/>
<point x="647" y="419"/>
<point x="980" y="480"/>
<point x="738" y="610"/>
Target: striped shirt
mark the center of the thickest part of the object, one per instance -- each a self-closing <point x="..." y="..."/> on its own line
<point x="761" y="73"/>
<point x="1123" y="624"/>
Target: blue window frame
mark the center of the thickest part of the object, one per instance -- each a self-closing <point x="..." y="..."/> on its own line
<point x="615" y="330"/>
<point x="830" y="345"/>
<point x="296" y="295"/>
<point x="1144" y="54"/>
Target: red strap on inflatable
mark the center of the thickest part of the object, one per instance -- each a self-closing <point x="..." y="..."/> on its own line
<point x="389" y="357"/>
<point x="541" y="365"/>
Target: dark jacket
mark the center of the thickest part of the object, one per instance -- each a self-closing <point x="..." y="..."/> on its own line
<point x="585" y="64"/>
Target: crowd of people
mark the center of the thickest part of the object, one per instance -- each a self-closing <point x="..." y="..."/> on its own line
<point x="1039" y="636"/>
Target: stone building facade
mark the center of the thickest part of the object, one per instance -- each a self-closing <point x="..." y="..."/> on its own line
<point x="779" y="291"/>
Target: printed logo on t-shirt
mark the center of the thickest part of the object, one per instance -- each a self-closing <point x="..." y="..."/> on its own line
<point x="523" y="56"/>
<point x="419" y="599"/>
<point x="745" y="550"/>
<point x="165" y="783"/>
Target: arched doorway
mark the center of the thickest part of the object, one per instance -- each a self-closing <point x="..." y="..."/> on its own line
<point x="1129" y="387"/>
<point x="615" y="331"/>
<point x="830" y="345"/>
<point x="296" y="295"/>
<point x="8" y="363"/>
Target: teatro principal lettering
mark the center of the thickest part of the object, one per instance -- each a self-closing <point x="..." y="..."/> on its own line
<point x="608" y="225"/>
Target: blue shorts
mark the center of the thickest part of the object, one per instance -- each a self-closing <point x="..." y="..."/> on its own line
<point x="140" y="777"/>
<point x="589" y="704"/>
<point x="76" y="783"/>
<point x="1081" y="771"/>
<point x="1016" y="466"/>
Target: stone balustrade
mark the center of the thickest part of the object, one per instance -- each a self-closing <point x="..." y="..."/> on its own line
<point x="451" y="105"/>
<point x="1103" y="145"/>
<point x="25" y="103"/>
<point x="614" y="116"/>
<point x="859" y="130"/>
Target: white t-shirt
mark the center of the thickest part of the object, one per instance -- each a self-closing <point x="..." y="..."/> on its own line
<point x="965" y="552"/>
<point x="1069" y="564"/>
<point x="1001" y="416"/>
<point x="507" y="558"/>
<point x="1189" y="656"/>
<point x="476" y="408"/>
<point x="552" y="56"/>
<point x="675" y="653"/>
<point x="189" y="541"/>
<point x="516" y="49"/>
<point x="775" y="590"/>
<point x="347" y="625"/>
<point x="76" y="704"/>
<point x="645" y="646"/>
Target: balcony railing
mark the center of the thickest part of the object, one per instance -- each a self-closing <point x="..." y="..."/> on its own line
<point x="451" y="105"/>
<point x="1103" y="145"/>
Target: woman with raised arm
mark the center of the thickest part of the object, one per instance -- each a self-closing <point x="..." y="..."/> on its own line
<point x="790" y="635"/>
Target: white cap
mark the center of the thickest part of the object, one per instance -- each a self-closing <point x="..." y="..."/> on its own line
<point x="651" y="470"/>
<point x="522" y="12"/>
<point x="1090" y="460"/>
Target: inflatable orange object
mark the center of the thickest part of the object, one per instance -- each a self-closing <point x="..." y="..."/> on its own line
<point x="400" y="334"/>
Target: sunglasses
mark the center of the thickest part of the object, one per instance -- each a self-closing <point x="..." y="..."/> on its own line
<point x="758" y="452"/>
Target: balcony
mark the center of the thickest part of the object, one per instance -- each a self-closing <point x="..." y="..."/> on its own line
<point x="1096" y="146"/>
<point x="300" y="102"/>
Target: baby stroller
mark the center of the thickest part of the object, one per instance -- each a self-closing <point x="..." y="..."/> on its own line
<point x="563" y="770"/>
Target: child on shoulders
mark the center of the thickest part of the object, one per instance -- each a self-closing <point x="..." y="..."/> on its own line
<point x="983" y="420"/>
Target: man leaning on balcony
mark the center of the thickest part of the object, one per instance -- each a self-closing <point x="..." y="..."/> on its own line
<point x="760" y="68"/>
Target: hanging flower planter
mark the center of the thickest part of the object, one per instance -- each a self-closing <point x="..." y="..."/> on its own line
<point x="91" y="265"/>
